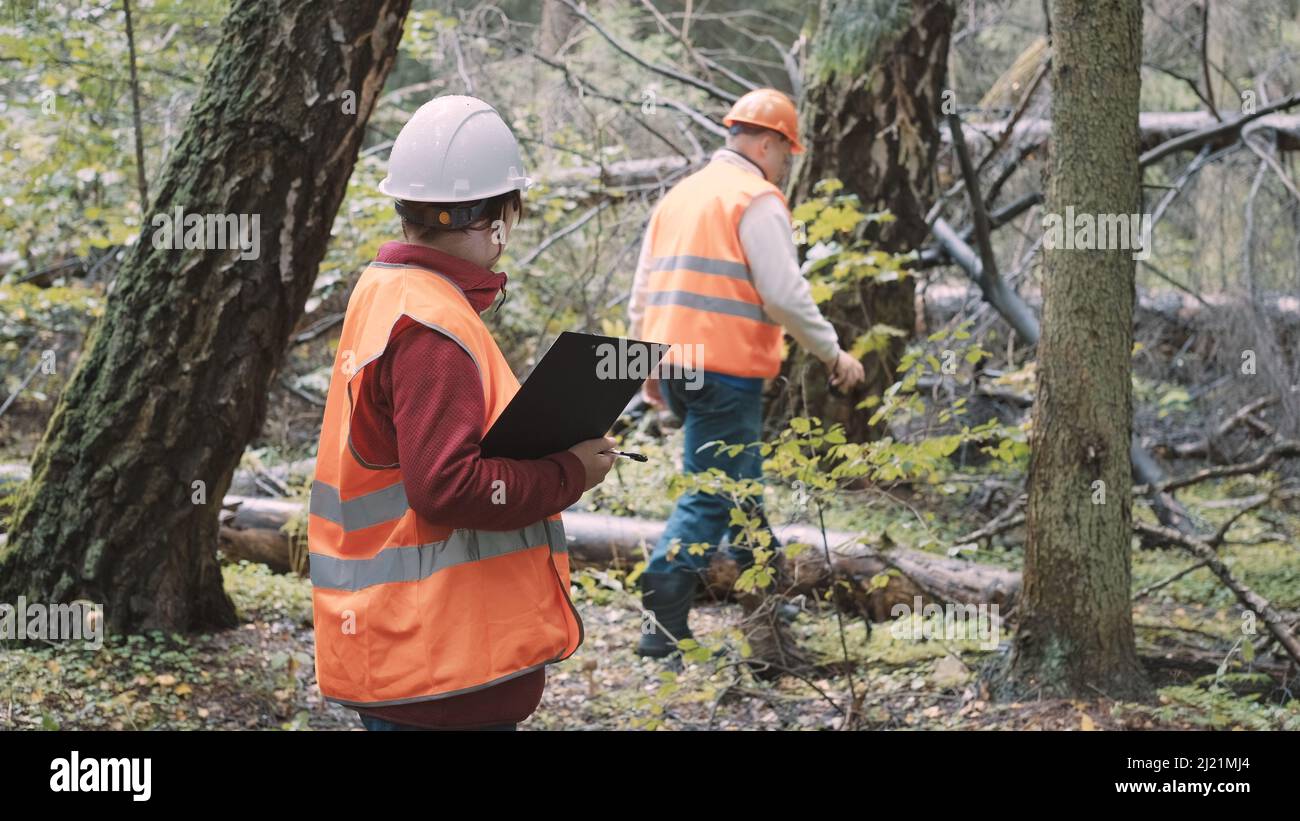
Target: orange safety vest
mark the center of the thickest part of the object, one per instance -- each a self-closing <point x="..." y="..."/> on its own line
<point x="405" y="610"/>
<point x="699" y="290"/>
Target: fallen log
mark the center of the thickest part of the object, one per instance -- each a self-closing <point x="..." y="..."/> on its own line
<point x="268" y="547"/>
<point x="251" y="530"/>
<point x="13" y="474"/>
<point x="245" y="481"/>
<point x="1161" y="132"/>
<point x="1171" y="315"/>
<point x="597" y="539"/>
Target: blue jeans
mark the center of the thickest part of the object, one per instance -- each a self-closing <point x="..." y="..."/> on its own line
<point x="372" y="723"/>
<point x="713" y="411"/>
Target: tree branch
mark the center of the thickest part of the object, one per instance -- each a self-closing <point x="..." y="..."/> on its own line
<point x="1213" y="132"/>
<point x="1282" y="449"/>
<point x="1205" y="58"/>
<point x="141" y="183"/>
<point x="672" y="73"/>
<point x="563" y="232"/>
<point x="702" y="59"/>
<point x="1251" y="600"/>
<point x="980" y="217"/>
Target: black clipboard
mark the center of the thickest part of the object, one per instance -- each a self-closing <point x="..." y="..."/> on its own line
<point x="575" y="393"/>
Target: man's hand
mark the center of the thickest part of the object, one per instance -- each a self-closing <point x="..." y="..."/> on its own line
<point x="650" y="391"/>
<point x="846" y="372"/>
<point x="597" y="464"/>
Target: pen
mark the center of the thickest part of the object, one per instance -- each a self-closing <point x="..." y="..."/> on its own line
<point x="637" y="456"/>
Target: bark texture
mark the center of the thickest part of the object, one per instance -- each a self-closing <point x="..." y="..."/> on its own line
<point x="1076" y="633"/>
<point x="174" y="380"/>
<point x="876" y="76"/>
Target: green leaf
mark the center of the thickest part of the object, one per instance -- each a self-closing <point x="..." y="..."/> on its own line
<point x="821" y="290"/>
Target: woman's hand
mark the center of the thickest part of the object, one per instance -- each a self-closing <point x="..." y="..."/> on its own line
<point x="597" y="464"/>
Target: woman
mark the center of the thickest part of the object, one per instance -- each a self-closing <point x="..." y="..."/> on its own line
<point x="439" y="577"/>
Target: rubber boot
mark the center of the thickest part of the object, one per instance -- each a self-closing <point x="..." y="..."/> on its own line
<point x="668" y="596"/>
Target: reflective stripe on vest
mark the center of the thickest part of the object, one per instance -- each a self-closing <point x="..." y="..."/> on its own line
<point x="405" y="610"/>
<point x="712" y="304"/>
<point x="701" y="265"/>
<point x="364" y="511"/>
<point x="410" y="564"/>
<point x="699" y="291"/>
<point x="414" y="562"/>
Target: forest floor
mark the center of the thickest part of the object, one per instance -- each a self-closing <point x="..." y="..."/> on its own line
<point x="261" y="676"/>
<point x="1193" y="638"/>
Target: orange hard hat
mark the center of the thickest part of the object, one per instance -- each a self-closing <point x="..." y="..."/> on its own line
<point x="771" y="109"/>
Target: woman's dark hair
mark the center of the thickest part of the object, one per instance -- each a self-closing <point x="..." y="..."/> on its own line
<point x="425" y="221"/>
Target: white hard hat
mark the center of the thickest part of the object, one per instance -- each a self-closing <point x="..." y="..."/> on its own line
<point x="454" y="148"/>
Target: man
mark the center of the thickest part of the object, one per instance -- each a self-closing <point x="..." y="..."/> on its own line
<point x="718" y="278"/>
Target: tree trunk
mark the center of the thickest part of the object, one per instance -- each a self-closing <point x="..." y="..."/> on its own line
<point x="869" y="112"/>
<point x="558" y="24"/>
<point x="1076" y="630"/>
<point x="128" y="481"/>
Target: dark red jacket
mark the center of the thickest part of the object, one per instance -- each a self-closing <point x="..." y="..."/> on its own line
<point x="422" y="408"/>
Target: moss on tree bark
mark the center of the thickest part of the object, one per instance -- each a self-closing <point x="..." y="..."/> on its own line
<point x="870" y="109"/>
<point x="174" y="380"/>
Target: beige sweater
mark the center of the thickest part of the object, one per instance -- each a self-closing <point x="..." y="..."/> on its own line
<point x="765" y="236"/>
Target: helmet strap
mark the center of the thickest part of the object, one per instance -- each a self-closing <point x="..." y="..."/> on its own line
<point x="450" y="218"/>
